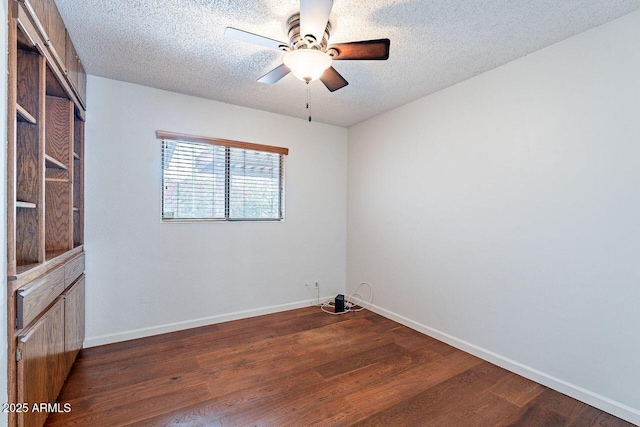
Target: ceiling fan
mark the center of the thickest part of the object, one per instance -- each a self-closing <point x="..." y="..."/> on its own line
<point x="309" y="56"/>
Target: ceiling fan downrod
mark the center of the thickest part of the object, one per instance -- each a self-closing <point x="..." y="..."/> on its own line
<point x="308" y="102"/>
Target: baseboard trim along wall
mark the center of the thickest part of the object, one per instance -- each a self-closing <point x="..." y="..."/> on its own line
<point x="601" y="402"/>
<point x="195" y="323"/>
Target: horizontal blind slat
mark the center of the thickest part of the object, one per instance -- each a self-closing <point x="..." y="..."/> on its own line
<point x="195" y="182"/>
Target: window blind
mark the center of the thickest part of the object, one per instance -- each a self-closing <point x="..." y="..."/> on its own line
<point x="205" y="181"/>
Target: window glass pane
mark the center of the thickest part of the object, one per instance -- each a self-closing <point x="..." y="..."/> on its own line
<point x="194" y="180"/>
<point x="255" y="184"/>
<point x="205" y="181"/>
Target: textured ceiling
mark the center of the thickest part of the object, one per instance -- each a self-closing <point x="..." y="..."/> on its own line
<point x="178" y="45"/>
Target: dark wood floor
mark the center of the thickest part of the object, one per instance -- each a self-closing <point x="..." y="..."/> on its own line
<point x="306" y="368"/>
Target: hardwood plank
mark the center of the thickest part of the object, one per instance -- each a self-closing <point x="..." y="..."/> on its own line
<point x="441" y="348"/>
<point x="336" y="411"/>
<point x="404" y="385"/>
<point x="267" y="320"/>
<point x="483" y="409"/>
<point x="94" y="382"/>
<point x="197" y="414"/>
<point x="592" y="417"/>
<point x="288" y="369"/>
<point x="459" y="362"/>
<point x="538" y="415"/>
<point x="261" y="396"/>
<point x="143" y="389"/>
<point x="359" y="360"/>
<point x="549" y="406"/>
<point x="306" y="322"/>
<point x="410" y="339"/>
<point x="517" y="390"/>
<point x="302" y="397"/>
<point x="560" y="403"/>
<point x="434" y="401"/>
<point x="133" y="410"/>
<point x="146" y="343"/>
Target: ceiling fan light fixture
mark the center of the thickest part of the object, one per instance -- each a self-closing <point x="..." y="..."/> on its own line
<point x="307" y="64"/>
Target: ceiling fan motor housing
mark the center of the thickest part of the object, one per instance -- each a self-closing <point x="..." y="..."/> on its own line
<point x="307" y="42"/>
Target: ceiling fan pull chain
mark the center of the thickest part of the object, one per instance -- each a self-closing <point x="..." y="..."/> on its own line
<point x="308" y="102"/>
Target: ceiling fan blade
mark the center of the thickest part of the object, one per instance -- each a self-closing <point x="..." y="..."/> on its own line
<point x="366" y="49"/>
<point x="314" y="15"/>
<point x="333" y="80"/>
<point x="275" y="75"/>
<point x="244" y="36"/>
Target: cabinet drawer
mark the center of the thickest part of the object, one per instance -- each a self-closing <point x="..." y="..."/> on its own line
<point x="73" y="270"/>
<point x="37" y="295"/>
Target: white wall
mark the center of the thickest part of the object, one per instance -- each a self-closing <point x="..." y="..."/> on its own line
<point x="502" y="214"/>
<point x="3" y="197"/>
<point x="144" y="276"/>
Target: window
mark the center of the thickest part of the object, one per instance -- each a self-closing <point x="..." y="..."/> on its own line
<point x="216" y="179"/>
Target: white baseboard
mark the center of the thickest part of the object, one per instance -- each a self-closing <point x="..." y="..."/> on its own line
<point x="601" y="402"/>
<point x="195" y="323"/>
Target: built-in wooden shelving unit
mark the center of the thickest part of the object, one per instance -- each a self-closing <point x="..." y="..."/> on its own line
<point x="45" y="205"/>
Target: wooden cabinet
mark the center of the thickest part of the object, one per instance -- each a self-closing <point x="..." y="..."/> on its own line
<point x="49" y="23"/>
<point x="45" y="19"/>
<point x="42" y="363"/>
<point x="45" y="205"/>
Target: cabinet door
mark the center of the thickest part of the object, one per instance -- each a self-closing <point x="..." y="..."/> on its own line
<point x="82" y="83"/>
<point x="41" y="370"/>
<point x="57" y="33"/>
<point x="54" y="30"/>
<point x="71" y="61"/>
<point x="74" y="321"/>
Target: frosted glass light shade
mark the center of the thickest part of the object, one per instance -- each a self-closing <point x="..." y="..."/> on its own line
<point x="307" y="64"/>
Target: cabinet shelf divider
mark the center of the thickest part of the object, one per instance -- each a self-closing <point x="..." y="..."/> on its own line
<point x="24" y="116"/>
<point x="25" y="205"/>
<point x="50" y="162"/>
